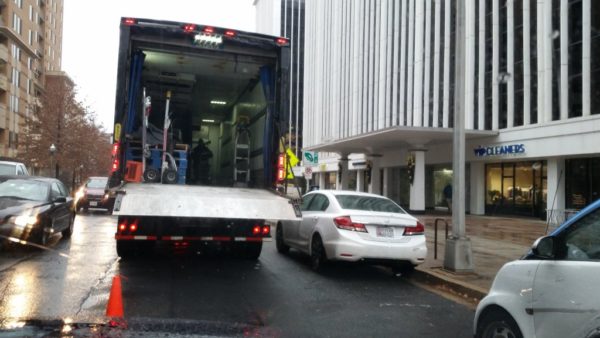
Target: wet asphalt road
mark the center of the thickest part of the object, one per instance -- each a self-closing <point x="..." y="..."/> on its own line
<point x="275" y="296"/>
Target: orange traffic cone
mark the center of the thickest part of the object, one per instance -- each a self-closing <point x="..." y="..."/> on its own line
<point x="114" y="308"/>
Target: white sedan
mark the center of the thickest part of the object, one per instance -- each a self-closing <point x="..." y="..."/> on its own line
<point x="353" y="226"/>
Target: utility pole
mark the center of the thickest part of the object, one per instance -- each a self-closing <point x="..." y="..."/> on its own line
<point x="458" y="254"/>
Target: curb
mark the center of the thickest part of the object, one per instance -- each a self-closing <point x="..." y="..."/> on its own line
<point x="431" y="278"/>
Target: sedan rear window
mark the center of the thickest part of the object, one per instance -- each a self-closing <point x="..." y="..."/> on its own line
<point x="368" y="203"/>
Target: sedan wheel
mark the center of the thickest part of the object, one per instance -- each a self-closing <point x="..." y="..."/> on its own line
<point x="318" y="258"/>
<point x="498" y="324"/>
<point x="69" y="230"/>
<point x="279" y="243"/>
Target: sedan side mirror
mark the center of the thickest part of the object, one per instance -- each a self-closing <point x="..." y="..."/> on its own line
<point x="545" y="247"/>
<point x="60" y="200"/>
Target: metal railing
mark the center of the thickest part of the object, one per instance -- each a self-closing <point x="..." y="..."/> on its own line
<point x="435" y="235"/>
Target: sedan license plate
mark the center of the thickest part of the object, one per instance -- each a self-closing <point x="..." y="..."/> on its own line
<point x="385" y="232"/>
<point x="93" y="204"/>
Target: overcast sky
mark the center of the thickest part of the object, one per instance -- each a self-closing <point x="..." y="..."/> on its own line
<point x="91" y="38"/>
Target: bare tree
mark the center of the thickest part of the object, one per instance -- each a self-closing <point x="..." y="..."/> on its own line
<point x="82" y="147"/>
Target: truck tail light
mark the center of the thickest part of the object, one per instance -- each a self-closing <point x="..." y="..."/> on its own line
<point x="115" y="148"/>
<point x="345" y="223"/>
<point x="281" y="168"/>
<point x="418" y="229"/>
<point x="256" y="230"/>
<point x="115" y="157"/>
<point x="123" y="226"/>
<point x="266" y="230"/>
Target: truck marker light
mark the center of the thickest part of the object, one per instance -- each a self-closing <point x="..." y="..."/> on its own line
<point x="209" y="30"/>
<point x="230" y="33"/>
<point x="129" y="21"/>
<point x="189" y="28"/>
<point x="282" y="41"/>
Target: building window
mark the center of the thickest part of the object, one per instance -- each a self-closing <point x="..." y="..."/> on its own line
<point x="575" y="58"/>
<point x="533" y="104"/>
<point x="582" y="182"/>
<point x="30" y="13"/>
<point x="28" y="86"/>
<point x="30" y="37"/>
<point x="556" y="60"/>
<point x="19" y="3"/>
<point x="595" y="59"/>
<point x="29" y="63"/>
<point x="518" y="65"/>
<point x="516" y="188"/>
<point x="15" y="77"/>
<point x="17" y="25"/>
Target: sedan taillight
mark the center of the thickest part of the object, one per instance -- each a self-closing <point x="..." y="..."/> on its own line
<point x="418" y="229"/>
<point x="345" y="223"/>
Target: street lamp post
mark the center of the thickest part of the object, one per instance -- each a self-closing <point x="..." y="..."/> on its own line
<point x="52" y="152"/>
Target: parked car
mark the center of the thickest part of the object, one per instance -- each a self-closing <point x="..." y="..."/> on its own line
<point x="354" y="226"/>
<point x="13" y="168"/>
<point x="553" y="291"/>
<point x="34" y="209"/>
<point x="93" y="195"/>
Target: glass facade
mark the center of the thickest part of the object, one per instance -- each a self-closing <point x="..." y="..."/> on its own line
<point x="516" y="188"/>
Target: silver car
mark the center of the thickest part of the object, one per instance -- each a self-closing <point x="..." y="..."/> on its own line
<point x="353" y="226"/>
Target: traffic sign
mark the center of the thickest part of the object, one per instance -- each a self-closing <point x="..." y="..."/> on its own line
<point x="310" y="158"/>
<point x="308" y="173"/>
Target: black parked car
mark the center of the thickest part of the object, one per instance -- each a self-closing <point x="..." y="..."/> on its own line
<point x="34" y="209"/>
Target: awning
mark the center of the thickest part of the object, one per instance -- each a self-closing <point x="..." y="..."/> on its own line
<point x="393" y="138"/>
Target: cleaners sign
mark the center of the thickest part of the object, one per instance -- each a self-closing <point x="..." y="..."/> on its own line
<point x="512" y="149"/>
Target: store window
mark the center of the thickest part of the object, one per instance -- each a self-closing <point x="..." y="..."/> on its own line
<point x="516" y="188"/>
<point x="330" y="180"/>
<point x="582" y="182"/>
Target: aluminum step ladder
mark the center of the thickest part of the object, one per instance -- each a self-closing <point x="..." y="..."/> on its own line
<point x="241" y="153"/>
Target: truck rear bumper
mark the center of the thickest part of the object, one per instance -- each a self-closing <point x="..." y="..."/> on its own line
<point x="192" y="238"/>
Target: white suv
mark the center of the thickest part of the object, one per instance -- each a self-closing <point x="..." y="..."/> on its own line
<point x="553" y="291"/>
<point x="13" y="168"/>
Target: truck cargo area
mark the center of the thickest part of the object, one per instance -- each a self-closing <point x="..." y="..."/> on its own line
<point x="214" y="96"/>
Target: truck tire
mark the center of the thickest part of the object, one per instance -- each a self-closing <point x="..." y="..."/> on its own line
<point x="125" y="249"/>
<point x="250" y="251"/>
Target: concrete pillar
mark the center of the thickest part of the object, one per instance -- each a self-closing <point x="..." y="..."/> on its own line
<point x="556" y="184"/>
<point x="344" y="172"/>
<point x="386" y="182"/>
<point x="477" y="184"/>
<point x="417" y="189"/>
<point x="360" y="180"/>
<point x="322" y="180"/>
<point x="375" y="185"/>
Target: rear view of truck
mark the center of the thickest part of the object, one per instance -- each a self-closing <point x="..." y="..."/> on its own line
<point x="197" y="124"/>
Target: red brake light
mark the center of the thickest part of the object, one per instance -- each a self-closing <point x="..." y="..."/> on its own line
<point x="208" y="29"/>
<point x="129" y="21"/>
<point x="115" y="164"/>
<point x="133" y="227"/>
<point x="282" y="41"/>
<point x="345" y="223"/>
<point x="265" y="230"/>
<point x="123" y="226"/>
<point x="256" y="230"/>
<point x="418" y="229"/>
<point x="188" y="28"/>
<point x="230" y="33"/>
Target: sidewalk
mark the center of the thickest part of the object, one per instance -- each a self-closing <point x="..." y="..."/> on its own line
<point x="495" y="241"/>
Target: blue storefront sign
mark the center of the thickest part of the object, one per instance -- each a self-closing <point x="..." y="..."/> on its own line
<point x="511" y="149"/>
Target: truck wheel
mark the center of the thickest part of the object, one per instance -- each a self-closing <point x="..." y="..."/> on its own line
<point x="279" y="243"/>
<point x="170" y="176"/>
<point x="151" y="175"/>
<point x="125" y="249"/>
